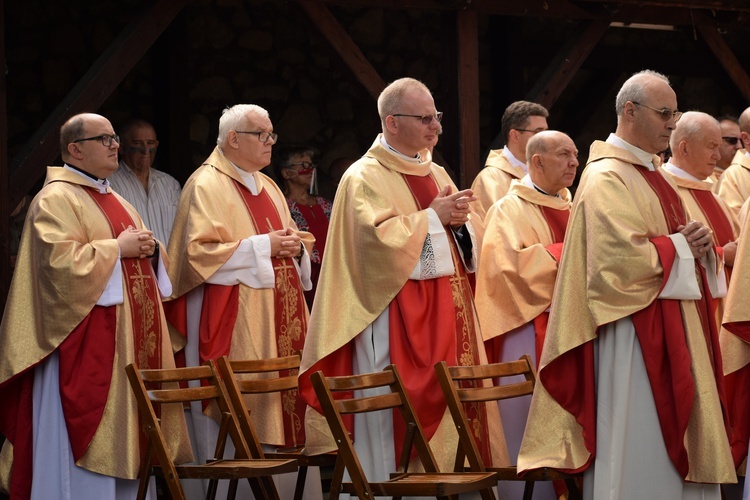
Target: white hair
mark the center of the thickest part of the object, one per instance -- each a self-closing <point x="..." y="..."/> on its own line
<point x="235" y="117"/>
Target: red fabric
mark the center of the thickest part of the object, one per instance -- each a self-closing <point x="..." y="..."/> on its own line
<point x="291" y="310"/>
<point x="176" y="314"/>
<point x="336" y="364"/>
<point x="718" y="220"/>
<point x="555" y="249"/>
<point x="540" y="332"/>
<point x="557" y="220"/>
<point x="218" y="315"/>
<point x="16" y="420"/>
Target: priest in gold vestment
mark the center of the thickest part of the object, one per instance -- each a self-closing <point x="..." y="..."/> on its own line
<point x="631" y="384"/>
<point x="520" y="121"/>
<point x="522" y="245"/>
<point x="85" y="301"/>
<point x="239" y="269"/>
<point x="393" y="287"/>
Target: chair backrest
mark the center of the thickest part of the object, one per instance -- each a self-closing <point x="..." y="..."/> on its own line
<point x="464" y="384"/>
<point x="337" y="398"/>
<point x="155" y="387"/>
<point x="236" y="387"/>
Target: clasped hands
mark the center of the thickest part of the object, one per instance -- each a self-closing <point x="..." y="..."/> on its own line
<point x="698" y="237"/>
<point x="285" y="243"/>
<point x="136" y="243"/>
<point x="453" y="209"/>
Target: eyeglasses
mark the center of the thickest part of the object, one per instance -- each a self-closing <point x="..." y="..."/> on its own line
<point x="535" y="131"/>
<point x="665" y="113"/>
<point x="304" y="164"/>
<point x="263" y="137"/>
<point x="732" y="140"/>
<point x="425" y="119"/>
<point x="106" y="139"/>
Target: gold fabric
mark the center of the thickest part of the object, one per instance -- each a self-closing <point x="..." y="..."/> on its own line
<point x="734" y="352"/>
<point x="65" y="260"/>
<point x="211" y="220"/>
<point x="609" y="271"/>
<point x="516" y="274"/>
<point x="737" y="306"/>
<point x="734" y="185"/>
<point x="375" y="240"/>
<point x="493" y="181"/>
<point x="714" y="179"/>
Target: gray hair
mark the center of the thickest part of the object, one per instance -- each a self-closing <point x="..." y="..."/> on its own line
<point x="235" y="117"/>
<point x="71" y="131"/>
<point x="634" y="89"/>
<point x="690" y="125"/>
<point x="391" y="97"/>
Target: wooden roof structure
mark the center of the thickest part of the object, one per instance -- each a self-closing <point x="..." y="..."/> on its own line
<point x="709" y="20"/>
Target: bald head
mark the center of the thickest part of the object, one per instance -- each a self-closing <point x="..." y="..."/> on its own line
<point x="744" y="122"/>
<point x="695" y="144"/>
<point x="552" y="158"/>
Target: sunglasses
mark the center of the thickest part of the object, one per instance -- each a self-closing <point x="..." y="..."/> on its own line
<point x="732" y="140"/>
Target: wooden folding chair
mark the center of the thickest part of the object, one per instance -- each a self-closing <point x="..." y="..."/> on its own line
<point x="453" y="383"/>
<point x="237" y="386"/>
<point x="402" y="483"/>
<point x="155" y="388"/>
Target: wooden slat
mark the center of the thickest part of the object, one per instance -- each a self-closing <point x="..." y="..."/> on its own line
<point x="183" y="394"/>
<point x="176" y="374"/>
<point x="468" y="97"/>
<point x="724" y="54"/>
<point x="494" y="370"/>
<point x="565" y="64"/>
<point x="476" y="394"/>
<point x="356" y="382"/>
<point x="268" y="385"/>
<point x="90" y="93"/>
<point x="373" y="403"/>
<point x="342" y="43"/>
<point x="265" y="365"/>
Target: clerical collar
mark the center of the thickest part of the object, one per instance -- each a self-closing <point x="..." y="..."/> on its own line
<point x="526" y="181"/>
<point x="248" y="178"/>
<point x="100" y="184"/>
<point x="513" y="160"/>
<point x="412" y="159"/>
<point x="644" y="157"/>
<point x="678" y="172"/>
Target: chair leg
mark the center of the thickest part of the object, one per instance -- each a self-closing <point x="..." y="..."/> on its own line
<point x="299" y="488"/>
<point x="338" y="477"/>
<point x="528" y="490"/>
<point x="574" y="492"/>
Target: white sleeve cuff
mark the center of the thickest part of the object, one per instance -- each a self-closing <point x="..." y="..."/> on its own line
<point x="435" y="260"/>
<point x="162" y="278"/>
<point x="681" y="284"/>
<point x="715" y="275"/>
<point x="250" y="264"/>
<point x="304" y="269"/>
<point x="112" y="294"/>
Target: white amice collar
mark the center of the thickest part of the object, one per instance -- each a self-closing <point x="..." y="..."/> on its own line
<point x="416" y="160"/>
<point x="678" y="172"/>
<point x="248" y="178"/>
<point x="644" y="157"/>
<point x="100" y="184"/>
<point x="513" y="160"/>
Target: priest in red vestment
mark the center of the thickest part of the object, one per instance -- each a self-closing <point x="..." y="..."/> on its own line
<point x="84" y="302"/>
<point x="394" y="286"/>
<point x="631" y="385"/>
<point x="239" y="269"/>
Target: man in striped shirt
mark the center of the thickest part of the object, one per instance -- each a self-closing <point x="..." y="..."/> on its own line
<point x="155" y="194"/>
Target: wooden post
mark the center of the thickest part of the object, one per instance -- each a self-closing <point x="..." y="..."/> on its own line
<point x="468" y="97"/>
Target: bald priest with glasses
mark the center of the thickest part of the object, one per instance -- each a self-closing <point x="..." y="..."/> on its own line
<point x="240" y="267"/>
<point x="84" y="302"/>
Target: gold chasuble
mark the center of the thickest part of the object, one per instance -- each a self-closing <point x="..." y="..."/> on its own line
<point x="734" y="183"/>
<point x="493" y="181"/>
<point x="519" y="261"/>
<point x="66" y="258"/>
<point x="216" y="212"/>
<point x="378" y="230"/>
<point x="616" y="261"/>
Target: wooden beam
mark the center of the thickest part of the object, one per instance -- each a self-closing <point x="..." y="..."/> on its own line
<point x="724" y="54"/>
<point x="343" y="44"/>
<point x="468" y="96"/>
<point x="565" y="64"/>
<point x="90" y="93"/>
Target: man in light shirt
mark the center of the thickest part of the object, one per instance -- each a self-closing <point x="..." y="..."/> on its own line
<point x="153" y="193"/>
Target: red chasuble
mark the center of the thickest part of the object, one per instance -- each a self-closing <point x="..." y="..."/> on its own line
<point x="661" y="334"/>
<point x="221" y="307"/>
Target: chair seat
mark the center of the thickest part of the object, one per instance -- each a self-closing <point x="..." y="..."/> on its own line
<point x="235" y="468"/>
<point x="322" y="460"/>
<point x="429" y="484"/>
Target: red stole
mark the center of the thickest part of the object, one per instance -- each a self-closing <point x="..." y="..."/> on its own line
<point x="430" y="321"/>
<point x="221" y="308"/>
